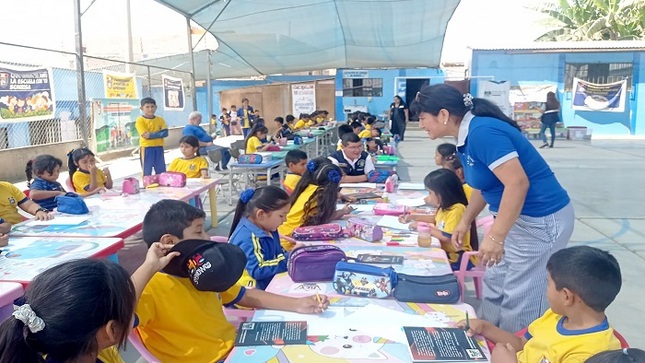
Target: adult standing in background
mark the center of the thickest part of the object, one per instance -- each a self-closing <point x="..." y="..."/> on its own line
<point x="533" y="214"/>
<point x="246" y="115"/>
<point x="549" y="118"/>
<point x="398" y="117"/>
<point x="205" y="140"/>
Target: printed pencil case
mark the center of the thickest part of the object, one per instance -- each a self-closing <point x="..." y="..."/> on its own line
<point x="442" y="289"/>
<point x="364" y="280"/>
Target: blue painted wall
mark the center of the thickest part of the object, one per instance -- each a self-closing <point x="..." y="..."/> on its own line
<point x="550" y="68"/>
<point x="378" y="105"/>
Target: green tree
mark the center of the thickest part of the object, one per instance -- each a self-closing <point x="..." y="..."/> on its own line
<point x="579" y="20"/>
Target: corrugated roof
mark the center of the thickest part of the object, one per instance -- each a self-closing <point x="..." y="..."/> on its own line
<point x="577" y="46"/>
<point x="261" y="37"/>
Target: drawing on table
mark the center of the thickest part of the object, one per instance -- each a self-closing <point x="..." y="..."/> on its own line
<point x="309" y="287"/>
<point x="49" y="250"/>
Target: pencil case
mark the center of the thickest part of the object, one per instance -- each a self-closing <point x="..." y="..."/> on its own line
<point x="389" y="209"/>
<point x="323" y="232"/>
<point x="364" y="280"/>
<point x="364" y="229"/>
<point x="172" y="179"/>
<point x="442" y="289"/>
<point x="314" y="263"/>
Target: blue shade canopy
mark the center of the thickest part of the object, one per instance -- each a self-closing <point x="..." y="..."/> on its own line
<point x="261" y="37"/>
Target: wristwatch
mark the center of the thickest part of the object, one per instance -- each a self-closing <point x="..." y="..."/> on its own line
<point x="41" y="209"/>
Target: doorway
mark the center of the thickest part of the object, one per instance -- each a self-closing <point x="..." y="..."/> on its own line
<point x="412" y="86"/>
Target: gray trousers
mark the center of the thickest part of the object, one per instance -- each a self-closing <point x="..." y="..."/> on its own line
<point x="515" y="289"/>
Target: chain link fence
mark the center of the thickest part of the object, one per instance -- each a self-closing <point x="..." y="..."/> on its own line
<point x="39" y="103"/>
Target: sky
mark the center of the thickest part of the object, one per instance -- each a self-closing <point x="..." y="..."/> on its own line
<point x="50" y="24"/>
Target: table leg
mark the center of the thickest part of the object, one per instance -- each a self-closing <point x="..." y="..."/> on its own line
<point x="230" y="185"/>
<point x="212" y="198"/>
<point x="269" y="176"/>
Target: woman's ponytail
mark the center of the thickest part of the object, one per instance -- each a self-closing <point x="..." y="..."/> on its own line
<point x="13" y="343"/>
<point x="71" y="165"/>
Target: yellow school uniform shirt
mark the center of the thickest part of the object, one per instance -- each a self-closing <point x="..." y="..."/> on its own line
<point x="291" y="180"/>
<point x="178" y="323"/>
<point x="296" y="215"/>
<point x="365" y="134"/>
<point x="468" y="190"/>
<point x="446" y="221"/>
<point x="300" y="124"/>
<point x="191" y="167"/>
<point x="10" y="198"/>
<point x="144" y="125"/>
<point x="110" y="355"/>
<point x="549" y="341"/>
<point x="253" y="144"/>
<point x="82" y="179"/>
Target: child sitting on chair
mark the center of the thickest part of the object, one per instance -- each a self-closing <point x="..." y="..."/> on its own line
<point x="582" y="282"/>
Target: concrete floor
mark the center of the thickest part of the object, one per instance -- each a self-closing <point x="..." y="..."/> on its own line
<point x="605" y="180"/>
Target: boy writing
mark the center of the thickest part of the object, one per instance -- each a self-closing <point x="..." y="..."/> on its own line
<point x="180" y="311"/>
<point x="582" y="282"/>
<point x="355" y="163"/>
<point x="296" y="161"/>
<point x="152" y="130"/>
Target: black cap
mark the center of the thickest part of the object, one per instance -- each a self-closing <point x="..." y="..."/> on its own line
<point x="210" y="266"/>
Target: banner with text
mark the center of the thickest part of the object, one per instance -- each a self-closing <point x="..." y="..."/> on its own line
<point x="120" y="85"/>
<point x="173" y="93"/>
<point x="498" y="92"/>
<point x="26" y="94"/>
<point x="114" y="123"/>
<point x="303" y="98"/>
<point x="608" y="97"/>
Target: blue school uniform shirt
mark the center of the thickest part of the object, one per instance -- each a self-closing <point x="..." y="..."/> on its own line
<point x="264" y="253"/>
<point x="42" y="184"/>
<point x="485" y="143"/>
<point x="198" y="132"/>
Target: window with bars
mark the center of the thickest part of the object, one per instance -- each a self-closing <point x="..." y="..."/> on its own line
<point x="600" y="73"/>
<point x="362" y="87"/>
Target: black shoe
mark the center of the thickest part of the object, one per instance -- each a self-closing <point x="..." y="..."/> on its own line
<point x="224" y="168"/>
<point x="544" y="145"/>
<point x="217" y="168"/>
<point x="551" y="146"/>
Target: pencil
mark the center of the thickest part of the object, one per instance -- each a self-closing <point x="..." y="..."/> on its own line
<point x="319" y="299"/>
<point x="467" y="321"/>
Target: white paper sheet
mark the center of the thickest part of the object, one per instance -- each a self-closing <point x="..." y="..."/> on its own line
<point x="358" y="208"/>
<point x="416" y="202"/>
<point x="358" y="185"/>
<point x="61" y="221"/>
<point x="392" y="222"/>
<point x="411" y="186"/>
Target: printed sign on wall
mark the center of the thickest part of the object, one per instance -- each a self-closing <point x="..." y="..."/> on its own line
<point x="120" y="85"/>
<point x="26" y="94"/>
<point x="303" y="98"/>
<point x="608" y="97"/>
<point x="173" y="92"/>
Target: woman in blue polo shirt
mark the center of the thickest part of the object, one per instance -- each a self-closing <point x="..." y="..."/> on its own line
<point x="534" y="215"/>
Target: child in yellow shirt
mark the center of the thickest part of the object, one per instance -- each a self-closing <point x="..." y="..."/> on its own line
<point x="191" y="164"/>
<point x="152" y="130"/>
<point x="85" y="176"/>
<point x="254" y="142"/>
<point x="296" y="161"/>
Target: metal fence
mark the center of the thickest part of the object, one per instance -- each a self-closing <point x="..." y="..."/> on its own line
<point x="32" y="114"/>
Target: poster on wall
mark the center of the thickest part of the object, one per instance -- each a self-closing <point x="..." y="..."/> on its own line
<point x="120" y="85"/>
<point x="303" y="98"/>
<point x="114" y="123"/>
<point x="26" y="94"/>
<point x="528" y="101"/>
<point x="497" y="92"/>
<point x="173" y="93"/>
<point x="608" y="97"/>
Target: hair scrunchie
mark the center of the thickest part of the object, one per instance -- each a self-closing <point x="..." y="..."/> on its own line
<point x="246" y="195"/>
<point x="334" y="176"/>
<point x="311" y="166"/>
<point x="468" y="100"/>
<point x="28" y="317"/>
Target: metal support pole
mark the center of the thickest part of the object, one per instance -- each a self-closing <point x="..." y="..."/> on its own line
<point x="80" y="73"/>
<point x="209" y="93"/>
<point x="192" y="64"/>
<point x="128" y="18"/>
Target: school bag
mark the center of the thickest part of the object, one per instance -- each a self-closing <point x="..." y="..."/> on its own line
<point x="71" y="203"/>
<point x="313" y="263"/>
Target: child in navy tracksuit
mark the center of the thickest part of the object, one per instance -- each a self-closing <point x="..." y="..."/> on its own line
<point x="257" y="217"/>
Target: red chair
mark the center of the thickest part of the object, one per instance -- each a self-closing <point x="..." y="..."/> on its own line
<point x="26" y="191"/>
<point x="478" y="271"/>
